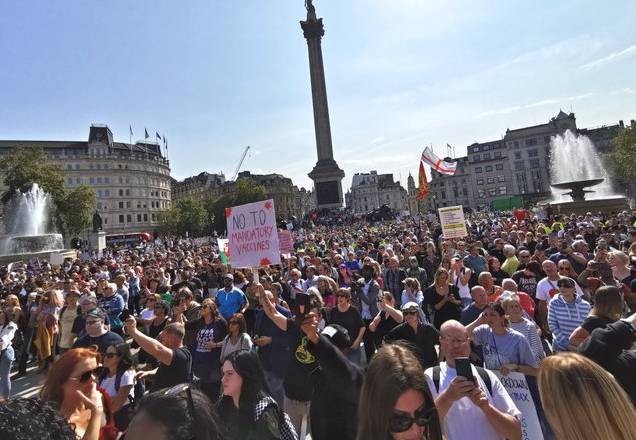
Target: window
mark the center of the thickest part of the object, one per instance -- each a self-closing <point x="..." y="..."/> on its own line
<point x="91" y="180"/>
<point x="443" y="195"/>
<point x="69" y="166"/>
<point x="535" y="163"/>
<point x="478" y="169"/>
<point x="121" y="179"/>
<point x="546" y="140"/>
<point x="107" y="193"/>
<point x="481" y="193"/>
<point x="78" y="180"/>
<point x="476" y="158"/>
<point x="107" y="179"/>
<point x="517" y="155"/>
<point x="100" y="193"/>
<point x="90" y="166"/>
<point x="503" y="190"/>
<point x="490" y="180"/>
<point x="121" y="205"/>
<point x="138" y="218"/>
<point x="516" y="143"/>
<point x="533" y="153"/>
<point x="489" y="168"/>
<point x="501" y="178"/>
<point x="128" y="218"/>
<point x="154" y="217"/>
<point x="70" y="181"/>
<point x="465" y="191"/>
<point x="492" y="191"/>
<point x="497" y="154"/>
<point x="99" y="180"/>
<point x="519" y="165"/>
<point x="77" y="167"/>
<point x="486" y="156"/>
<point x="127" y="204"/>
<point x="121" y="218"/>
<point x="530" y="142"/>
<point x="480" y="181"/>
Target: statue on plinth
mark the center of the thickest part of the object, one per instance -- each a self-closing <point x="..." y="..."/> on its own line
<point x="97" y="222"/>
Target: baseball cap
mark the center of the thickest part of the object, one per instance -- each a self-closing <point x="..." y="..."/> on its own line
<point x="410" y="306"/>
<point x="228" y="276"/>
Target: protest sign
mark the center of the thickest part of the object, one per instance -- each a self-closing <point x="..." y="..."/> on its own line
<point x="252" y="234"/>
<point x="56" y="259"/>
<point x="224" y="249"/>
<point x="285" y="242"/>
<point x="453" y="222"/>
<point x="517" y="386"/>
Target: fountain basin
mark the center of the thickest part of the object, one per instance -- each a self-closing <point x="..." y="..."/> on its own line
<point x="606" y="205"/>
<point x="21" y="244"/>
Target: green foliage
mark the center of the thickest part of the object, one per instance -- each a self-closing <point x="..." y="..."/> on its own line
<point x="75" y="212"/>
<point x="24" y="166"/>
<point x="244" y="191"/>
<point x="623" y="158"/>
<point x="72" y="210"/>
<point x="186" y="216"/>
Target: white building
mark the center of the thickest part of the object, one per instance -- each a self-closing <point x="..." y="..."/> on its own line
<point x="372" y="190"/>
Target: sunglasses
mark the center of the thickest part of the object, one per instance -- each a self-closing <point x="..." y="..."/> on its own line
<point x="87" y="375"/>
<point x="403" y="422"/>
<point x="410" y="312"/>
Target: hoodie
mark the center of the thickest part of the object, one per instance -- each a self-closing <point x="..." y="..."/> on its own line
<point x="564" y="318"/>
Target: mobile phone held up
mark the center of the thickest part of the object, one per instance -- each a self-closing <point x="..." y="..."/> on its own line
<point x="302" y="302"/>
<point x="464" y="369"/>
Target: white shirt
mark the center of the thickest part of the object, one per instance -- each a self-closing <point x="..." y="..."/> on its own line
<point x="464" y="419"/>
<point x="545" y="286"/>
<point x="128" y="378"/>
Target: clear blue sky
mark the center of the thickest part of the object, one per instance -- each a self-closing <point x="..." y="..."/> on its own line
<point x="217" y="75"/>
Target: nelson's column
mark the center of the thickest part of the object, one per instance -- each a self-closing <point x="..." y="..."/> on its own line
<point x="327" y="176"/>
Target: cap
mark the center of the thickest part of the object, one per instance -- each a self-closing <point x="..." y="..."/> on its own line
<point x="566" y="282"/>
<point x="228" y="276"/>
<point x="410" y="306"/>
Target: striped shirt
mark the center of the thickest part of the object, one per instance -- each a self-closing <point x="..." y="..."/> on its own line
<point x="529" y="330"/>
<point x="564" y="318"/>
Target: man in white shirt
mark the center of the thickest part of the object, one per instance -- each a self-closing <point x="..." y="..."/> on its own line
<point x="465" y="410"/>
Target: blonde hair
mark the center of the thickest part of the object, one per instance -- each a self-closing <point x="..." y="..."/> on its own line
<point x="583" y="401"/>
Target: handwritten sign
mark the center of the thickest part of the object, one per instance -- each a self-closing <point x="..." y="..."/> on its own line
<point x="56" y="259"/>
<point x="517" y="387"/>
<point x="252" y="234"/>
<point x="453" y="222"/>
<point x="285" y="242"/>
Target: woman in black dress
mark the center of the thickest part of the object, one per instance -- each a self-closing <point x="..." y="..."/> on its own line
<point x="443" y="298"/>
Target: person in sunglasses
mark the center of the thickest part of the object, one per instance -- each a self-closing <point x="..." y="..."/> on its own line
<point x="421" y="337"/>
<point x="71" y="389"/>
<point x="395" y="402"/>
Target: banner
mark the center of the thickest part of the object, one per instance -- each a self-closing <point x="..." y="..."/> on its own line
<point x="453" y="222"/>
<point x="286" y="242"/>
<point x="517" y="386"/>
<point x="56" y="259"/>
<point x="252" y="234"/>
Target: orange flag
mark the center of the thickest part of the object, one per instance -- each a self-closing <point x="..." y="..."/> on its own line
<point x="423" y="181"/>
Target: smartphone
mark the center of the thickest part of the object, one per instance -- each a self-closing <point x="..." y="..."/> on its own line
<point x="124" y="314"/>
<point x="464" y="369"/>
<point x="302" y="301"/>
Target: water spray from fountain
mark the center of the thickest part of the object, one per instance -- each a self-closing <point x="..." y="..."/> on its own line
<point x="574" y="159"/>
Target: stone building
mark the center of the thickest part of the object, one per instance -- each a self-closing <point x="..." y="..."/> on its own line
<point x="372" y="190"/>
<point x="518" y="165"/>
<point x="288" y="199"/>
<point x="131" y="181"/>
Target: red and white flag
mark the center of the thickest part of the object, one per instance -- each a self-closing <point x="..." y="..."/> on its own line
<point x="439" y="165"/>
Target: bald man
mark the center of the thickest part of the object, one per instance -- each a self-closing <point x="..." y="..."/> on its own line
<point x="470" y="409"/>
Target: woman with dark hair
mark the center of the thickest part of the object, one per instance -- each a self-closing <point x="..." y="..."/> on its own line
<point x="608" y="307"/>
<point x="494" y="267"/>
<point x="27" y="419"/>
<point x="177" y="413"/>
<point x="237" y="337"/>
<point x="117" y="380"/>
<point x="247" y="409"/>
<point x="395" y="402"/>
<point x="156" y="325"/>
<point x="70" y="387"/>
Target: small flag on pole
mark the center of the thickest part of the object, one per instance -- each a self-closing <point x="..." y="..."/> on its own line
<point x="146" y="133"/>
<point x="439" y="165"/>
<point x="422" y="189"/>
<point x="130" y="130"/>
<point x="157" y="135"/>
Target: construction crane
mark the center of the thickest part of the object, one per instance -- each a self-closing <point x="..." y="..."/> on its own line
<point x="238" y="167"/>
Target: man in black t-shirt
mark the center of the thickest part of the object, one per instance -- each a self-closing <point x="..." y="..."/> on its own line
<point x="175" y="361"/>
<point x="97" y="333"/>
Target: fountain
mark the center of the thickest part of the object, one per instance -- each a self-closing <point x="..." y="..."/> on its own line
<point x="575" y="166"/>
<point x="26" y="218"/>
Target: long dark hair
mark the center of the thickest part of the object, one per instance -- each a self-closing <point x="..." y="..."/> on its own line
<point x="393" y="370"/>
<point x="254" y="388"/>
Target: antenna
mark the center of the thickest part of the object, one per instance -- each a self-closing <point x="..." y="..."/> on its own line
<point x="238" y="167"/>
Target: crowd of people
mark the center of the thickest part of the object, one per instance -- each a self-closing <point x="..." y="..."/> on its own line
<point x="365" y="331"/>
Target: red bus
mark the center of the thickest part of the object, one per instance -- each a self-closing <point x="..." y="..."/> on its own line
<point x="129" y="240"/>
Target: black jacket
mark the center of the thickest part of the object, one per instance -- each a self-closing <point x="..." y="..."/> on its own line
<point x="610" y="347"/>
<point x="423" y="342"/>
<point x="337" y="385"/>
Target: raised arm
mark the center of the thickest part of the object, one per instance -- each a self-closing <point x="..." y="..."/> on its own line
<point x="153" y="347"/>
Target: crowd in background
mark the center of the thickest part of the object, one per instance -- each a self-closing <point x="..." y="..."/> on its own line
<point x="359" y="333"/>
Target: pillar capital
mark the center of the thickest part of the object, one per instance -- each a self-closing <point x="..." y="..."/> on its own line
<point x="313" y="28"/>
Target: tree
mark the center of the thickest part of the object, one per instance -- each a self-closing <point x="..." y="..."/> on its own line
<point x="623" y="158"/>
<point x="72" y="209"/>
<point x="244" y="191"/>
<point x="185" y="217"/>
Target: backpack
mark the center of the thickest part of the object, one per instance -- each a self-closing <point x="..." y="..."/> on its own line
<point x="482" y="373"/>
<point x="287" y="431"/>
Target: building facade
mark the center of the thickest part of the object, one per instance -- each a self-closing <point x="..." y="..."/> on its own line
<point x="131" y="181"/>
<point x="372" y="190"/>
<point x="516" y="166"/>
<point x="289" y="200"/>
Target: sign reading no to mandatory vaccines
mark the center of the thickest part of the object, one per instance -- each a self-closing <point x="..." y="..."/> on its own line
<point x="453" y="222"/>
<point x="252" y="234"/>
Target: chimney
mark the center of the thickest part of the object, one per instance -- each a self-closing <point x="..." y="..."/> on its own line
<point x="620" y="124"/>
<point x="633" y="123"/>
